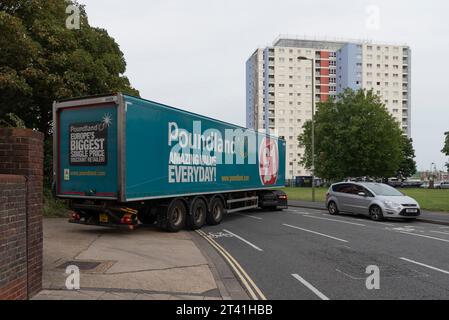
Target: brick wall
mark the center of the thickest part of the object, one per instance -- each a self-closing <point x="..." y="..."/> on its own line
<point x="21" y="153"/>
<point x="13" y="261"/>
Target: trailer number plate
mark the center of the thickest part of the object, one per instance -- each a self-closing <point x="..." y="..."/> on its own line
<point x="104" y="218"/>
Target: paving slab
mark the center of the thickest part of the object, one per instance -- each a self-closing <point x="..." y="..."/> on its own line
<point x="144" y="264"/>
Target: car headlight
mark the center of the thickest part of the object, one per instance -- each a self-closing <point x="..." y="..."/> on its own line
<point x="391" y="204"/>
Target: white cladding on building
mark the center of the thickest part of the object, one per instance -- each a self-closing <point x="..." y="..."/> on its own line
<point x="279" y="85"/>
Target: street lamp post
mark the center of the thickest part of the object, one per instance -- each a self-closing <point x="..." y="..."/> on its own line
<point x="432" y="175"/>
<point x="293" y="172"/>
<point x="313" y="123"/>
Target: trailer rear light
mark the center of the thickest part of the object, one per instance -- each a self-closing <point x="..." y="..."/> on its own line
<point x="126" y="219"/>
<point x="76" y="216"/>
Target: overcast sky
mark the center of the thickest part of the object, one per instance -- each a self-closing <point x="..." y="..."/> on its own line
<point x="191" y="54"/>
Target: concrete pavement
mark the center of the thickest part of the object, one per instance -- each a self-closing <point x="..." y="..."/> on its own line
<point x="141" y="264"/>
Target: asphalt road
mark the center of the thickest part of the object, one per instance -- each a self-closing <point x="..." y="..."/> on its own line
<point x="308" y="254"/>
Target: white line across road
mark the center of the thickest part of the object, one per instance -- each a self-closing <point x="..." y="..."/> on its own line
<point x="244" y="240"/>
<point x="336" y="220"/>
<point x="308" y="285"/>
<point x="425" y="265"/>
<point x="297" y="212"/>
<point x="424" y="236"/>
<point x="249" y="216"/>
<point x="314" y="232"/>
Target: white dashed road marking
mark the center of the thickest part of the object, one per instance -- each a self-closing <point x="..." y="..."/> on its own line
<point x="425" y="265"/>
<point x="308" y="285"/>
<point x="421" y="235"/>
<point x="314" y="232"/>
<point x="244" y="240"/>
<point x="342" y="221"/>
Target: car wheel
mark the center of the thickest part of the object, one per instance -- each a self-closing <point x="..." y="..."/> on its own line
<point x="375" y="213"/>
<point x="332" y="207"/>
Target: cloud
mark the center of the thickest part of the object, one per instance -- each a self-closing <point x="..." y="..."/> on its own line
<point x="191" y="54"/>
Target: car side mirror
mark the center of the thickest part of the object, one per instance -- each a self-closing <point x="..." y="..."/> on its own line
<point x="362" y="194"/>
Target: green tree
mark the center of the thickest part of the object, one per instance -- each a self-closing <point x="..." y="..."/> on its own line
<point x="407" y="167"/>
<point x="445" y="149"/>
<point x="41" y="60"/>
<point x="355" y="136"/>
<point x="12" y="121"/>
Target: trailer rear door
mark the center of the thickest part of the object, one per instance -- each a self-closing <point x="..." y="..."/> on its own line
<point x="86" y="152"/>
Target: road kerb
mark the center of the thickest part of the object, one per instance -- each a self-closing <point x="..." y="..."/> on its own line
<point x="248" y="283"/>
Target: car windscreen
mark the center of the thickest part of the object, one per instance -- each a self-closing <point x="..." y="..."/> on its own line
<point x="383" y="190"/>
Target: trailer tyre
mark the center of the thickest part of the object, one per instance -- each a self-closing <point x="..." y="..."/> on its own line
<point x="173" y="218"/>
<point x="197" y="217"/>
<point x="215" y="215"/>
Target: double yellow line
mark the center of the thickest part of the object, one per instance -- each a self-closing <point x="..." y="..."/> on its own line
<point x="244" y="278"/>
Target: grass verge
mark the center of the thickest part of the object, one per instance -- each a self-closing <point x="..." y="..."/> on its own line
<point x="429" y="199"/>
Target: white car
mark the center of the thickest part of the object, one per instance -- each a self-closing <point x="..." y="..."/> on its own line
<point x="376" y="200"/>
<point x="444" y="185"/>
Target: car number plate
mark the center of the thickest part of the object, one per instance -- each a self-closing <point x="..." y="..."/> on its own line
<point x="104" y="218"/>
<point x="412" y="210"/>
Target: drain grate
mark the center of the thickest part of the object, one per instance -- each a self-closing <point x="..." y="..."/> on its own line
<point x="82" y="265"/>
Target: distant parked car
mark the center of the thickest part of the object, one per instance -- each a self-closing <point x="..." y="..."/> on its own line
<point x="394" y="182"/>
<point x="425" y="185"/>
<point x="376" y="200"/>
<point x="412" y="183"/>
<point x="444" y="185"/>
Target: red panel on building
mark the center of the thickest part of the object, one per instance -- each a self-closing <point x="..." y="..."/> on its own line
<point x="324" y="97"/>
<point x="324" y="72"/>
<point x="324" y="54"/>
<point x="324" y="80"/>
<point x="324" y="89"/>
<point x="324" y="63"/>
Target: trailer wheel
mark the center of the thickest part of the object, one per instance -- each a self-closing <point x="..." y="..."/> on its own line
<point x="197" y="216"/>
<point x="215" y="215"/>
<point x="173" y="218"/>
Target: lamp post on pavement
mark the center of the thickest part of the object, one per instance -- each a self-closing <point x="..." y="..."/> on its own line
<point x="313" y="122"/>
<point x="293" y="172"/>
<point x="432" y="175"/>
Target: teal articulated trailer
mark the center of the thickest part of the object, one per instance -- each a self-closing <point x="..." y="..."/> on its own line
<point x="121" y="160"/>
